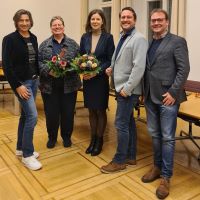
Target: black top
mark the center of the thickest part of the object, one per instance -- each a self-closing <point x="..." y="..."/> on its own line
<point x="15" y="58"/>
<point x="122" y="40"/>
<point x="152" y="49"/>
<point x="31" y="57"/>
<point x="58" y="83"/>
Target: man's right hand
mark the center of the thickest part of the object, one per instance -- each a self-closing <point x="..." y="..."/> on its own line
<point x="109" y="71"/>
<point x="23" y="92"/>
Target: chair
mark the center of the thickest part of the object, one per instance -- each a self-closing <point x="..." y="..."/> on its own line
<point x="137" y="108"/>
<point x="190" y="86"/>
<point x="3" y="80"/>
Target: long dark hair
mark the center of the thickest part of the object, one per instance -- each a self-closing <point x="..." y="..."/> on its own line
<point x="88" y="27"/>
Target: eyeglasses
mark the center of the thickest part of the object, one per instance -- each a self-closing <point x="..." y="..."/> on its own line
<point x="159" y="20"/>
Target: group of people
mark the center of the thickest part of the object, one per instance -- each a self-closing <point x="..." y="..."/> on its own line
<point x="159" y="69"/>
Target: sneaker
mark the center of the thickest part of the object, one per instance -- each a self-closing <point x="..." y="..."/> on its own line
<point x="32" y="163"/>
<point x="151" y="175"/>
<point x="113" y="167"/>
<point x="20" y="153"/>
<point x="163" y="189"/>
<point x="130" y="163"/>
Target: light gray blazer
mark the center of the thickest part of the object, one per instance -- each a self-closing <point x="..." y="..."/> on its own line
<point x="129" y="66"/>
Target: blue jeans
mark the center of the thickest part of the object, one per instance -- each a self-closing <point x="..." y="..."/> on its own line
<point x="28" y="119"/>
<point x="126" y="128"/>
<point x="161" y="123"/>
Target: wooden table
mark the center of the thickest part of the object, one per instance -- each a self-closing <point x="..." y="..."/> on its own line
<point x="190" y="112"/>
<point x="191" y="107"/>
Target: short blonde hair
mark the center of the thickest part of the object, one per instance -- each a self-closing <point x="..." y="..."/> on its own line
<point x="55" y="18"/>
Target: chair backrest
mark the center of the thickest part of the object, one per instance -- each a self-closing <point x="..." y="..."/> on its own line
<point x="2" y="76"/>
<point x="192" y="86"/>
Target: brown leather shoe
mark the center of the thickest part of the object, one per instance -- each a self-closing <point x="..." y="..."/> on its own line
<point x="113" y="167"/>
<point x="163" y="190"/>
<point x="151" y="175"/>
<point x="130" y="163"/>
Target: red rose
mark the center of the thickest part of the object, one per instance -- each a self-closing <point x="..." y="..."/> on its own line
<point x="54" y="58"/>
<point x="63" y="64"/>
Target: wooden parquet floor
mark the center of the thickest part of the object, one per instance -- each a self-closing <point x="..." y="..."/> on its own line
<point x="70" y="174"/>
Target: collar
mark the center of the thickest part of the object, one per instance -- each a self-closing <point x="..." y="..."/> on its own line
<point x="127" y="33"/>
<point x="55" y="41"/>
<point x="51" y="40"/>
<point x="156" y="37"/>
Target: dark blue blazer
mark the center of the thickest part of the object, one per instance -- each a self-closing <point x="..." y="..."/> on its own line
<point x="104" y="49"/>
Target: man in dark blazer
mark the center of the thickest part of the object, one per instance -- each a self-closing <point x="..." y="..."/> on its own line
<point x="166" y="72"/>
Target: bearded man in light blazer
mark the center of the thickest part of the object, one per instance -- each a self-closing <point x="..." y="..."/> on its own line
<point x="127" y="69"/>
<point x="166" y="72"/>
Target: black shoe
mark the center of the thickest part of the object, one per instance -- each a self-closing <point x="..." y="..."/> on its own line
<point x="97" y="146"/>
<point x="91" y="146"/>
<point x="67" y="143"/>
<point x="51" y="144"/>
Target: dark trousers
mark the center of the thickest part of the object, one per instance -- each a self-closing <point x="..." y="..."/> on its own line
<point x="59" y="110"/>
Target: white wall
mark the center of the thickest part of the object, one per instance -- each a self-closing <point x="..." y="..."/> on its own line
<point x="140" y="8"/>
<point x="42" y="11"/>
<point x="93" y="4"/>
<point x="192" y="31"/>
<point x="193" y="37"/>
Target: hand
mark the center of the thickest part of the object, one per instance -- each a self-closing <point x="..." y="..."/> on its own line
<point x="168" y="99"/>
<point x="23" y="92"/>
<point x="89" y="76"/>
<point x="122" y="93"/>
<point x="52" y="73"/>
<point x="109" y="71"/>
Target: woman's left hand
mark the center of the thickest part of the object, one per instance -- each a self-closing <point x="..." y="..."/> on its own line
<point x="89" y="76"/>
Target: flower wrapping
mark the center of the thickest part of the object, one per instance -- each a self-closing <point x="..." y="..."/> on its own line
<point x="85" y="64"/>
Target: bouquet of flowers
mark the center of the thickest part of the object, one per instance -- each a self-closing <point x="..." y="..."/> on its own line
<point x="85" y="64"/>
<point x="59" y="65"/>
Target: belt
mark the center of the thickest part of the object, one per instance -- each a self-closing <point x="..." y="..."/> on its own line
<point x="34" y="77"/>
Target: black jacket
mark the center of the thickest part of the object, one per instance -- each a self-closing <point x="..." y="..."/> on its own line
<point x="15" y="58"/>
<point x="104" y="49"/>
